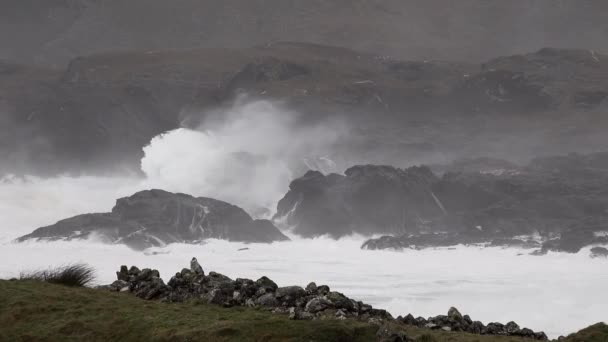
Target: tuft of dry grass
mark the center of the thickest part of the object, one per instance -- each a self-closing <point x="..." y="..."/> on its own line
<point x="76" y="275"/>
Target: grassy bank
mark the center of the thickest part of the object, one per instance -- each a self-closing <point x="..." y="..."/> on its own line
<point x="34" y="310"/>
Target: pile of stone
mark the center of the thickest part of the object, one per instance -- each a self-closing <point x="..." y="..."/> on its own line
<point x="312" y="302"/>
<point x="455" y="321"/>
<point x="192" y="283"/>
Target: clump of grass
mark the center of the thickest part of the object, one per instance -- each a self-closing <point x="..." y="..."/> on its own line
<point x="75" y="275"/>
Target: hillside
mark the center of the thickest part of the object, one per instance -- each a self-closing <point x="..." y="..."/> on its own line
<point x="46" y="312"/>
<point x="98" y="113"/>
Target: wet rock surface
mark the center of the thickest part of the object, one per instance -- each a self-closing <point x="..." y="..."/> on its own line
<point x="310" y="303"/>
<point x="551" y="204"/>
<point x="156" y="217"/>
<point x="599" y="252"/>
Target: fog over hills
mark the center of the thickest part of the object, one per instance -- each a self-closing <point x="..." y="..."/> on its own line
<point x="52" y="32"/>
<point x="98" y="113"/>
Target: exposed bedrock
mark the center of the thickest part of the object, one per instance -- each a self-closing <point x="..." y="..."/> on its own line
<point x="557" y="203"/>
<point x="156" y="217"/>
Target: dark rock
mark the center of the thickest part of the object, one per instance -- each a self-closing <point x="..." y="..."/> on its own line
<point x="342" y="205"/>
<point x="477" y="327"/>
<point x="318" y="304"/>
<point x="196" y="267"/>
<point x="311" y="288"/>
<point x="409" y="320"/>
<point x="134" y="271"/>
<point x="454" y="314"/>
<point x="118" y="285"/>
<point x="512" y="328"/>
<point x="340" y="301"/>
<point x="599" y="252"/>
<point x="289" y="295"/>
<point x="152" y="289"/>
<point x="267" y="300"/>
<point x="266" y="284"/>
<point x="156" y="217"/>
<point x="323" y="289"/>
<point x="421" y="321"/>
<point x="495" y="329"/>
<point x="525" y="332"/>
<point x="123" y="274"/>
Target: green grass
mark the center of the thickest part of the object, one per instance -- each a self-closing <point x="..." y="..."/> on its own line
<point x="595" y="333"/>
<point x="38" y="311"/>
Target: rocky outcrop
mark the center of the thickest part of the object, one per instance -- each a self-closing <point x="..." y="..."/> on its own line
<point x="455" y="321"/>
<point x="599" y="252"/>
<point x="554" y="203"/>
<point x="309" y="303"/>
<point x="192" y="283"/>
<point x="367" y="199"/>
<point x="156" y="217"/>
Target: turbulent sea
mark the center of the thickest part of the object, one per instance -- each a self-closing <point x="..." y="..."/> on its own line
<point x="558" y="293"/>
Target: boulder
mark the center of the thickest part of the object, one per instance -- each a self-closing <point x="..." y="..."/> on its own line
<point x="289" y="295"/>
<point x="196" y="267"/>
<point x="267" y="300"/>
<point x="454" y="314"/>
<point x="318" y="304"/>
<point x="340" y="301"/>
<point x="512" y="328"/>
<point x="311" y="288"/>
<point x="266" y="284"/>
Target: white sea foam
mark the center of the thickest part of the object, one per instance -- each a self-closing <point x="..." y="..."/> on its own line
<point x="245" y="154"/>
<point x="558" y="293"/>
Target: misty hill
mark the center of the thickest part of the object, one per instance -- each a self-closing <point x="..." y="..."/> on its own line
<point x="98" y="113"/>
<point x="156" y="217"/>
<point x="560" y="199"/>
<point x="53" y="32"/>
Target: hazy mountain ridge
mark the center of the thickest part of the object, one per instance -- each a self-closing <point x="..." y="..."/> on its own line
<point x="56" y="31"/>
<point x="99" y="112"/>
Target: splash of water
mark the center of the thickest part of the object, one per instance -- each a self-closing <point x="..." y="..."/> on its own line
<point x="245" y="154"/>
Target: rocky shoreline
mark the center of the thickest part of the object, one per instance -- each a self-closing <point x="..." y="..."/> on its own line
<point x="309" y="303"/>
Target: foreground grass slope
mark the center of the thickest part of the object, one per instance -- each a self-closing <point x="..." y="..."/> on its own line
<point x="34" y="311"/>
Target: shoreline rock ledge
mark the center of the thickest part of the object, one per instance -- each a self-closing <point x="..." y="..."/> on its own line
<point x="308" y="303"/>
